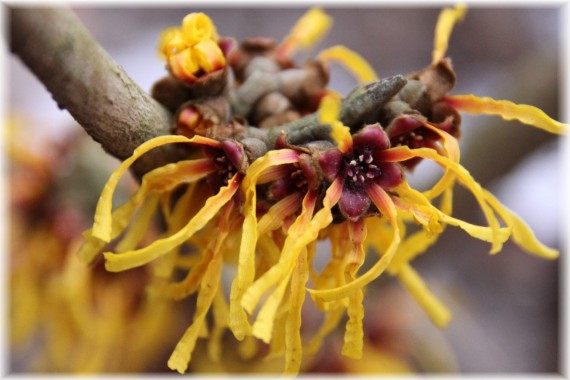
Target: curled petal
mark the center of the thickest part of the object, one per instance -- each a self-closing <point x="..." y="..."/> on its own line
<point x="209" y="56"/>
<point x="102" y="225"/>
<point x="522" y="234"/>
<point x="184" y="65"/>
<point x="246" y="260"/>
<point x="293" y="345"/>
<point x="198" y="27"/>
<point x="171" y="42"/>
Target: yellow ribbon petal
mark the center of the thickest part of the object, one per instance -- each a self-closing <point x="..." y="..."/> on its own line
<point x="132" y="259"/>
<point x="522" y="234"/>
<point x="102" y="225"/>
<point x="385" y="205"/>
<point x="353" y="61"/>
<point x="329" y="110"/>
<point x="183" y="350"/>
<point x="246" y="261"/>
<point x="404" y="152"/>
<point x="507" y="110"/>
<point x="418" y="289"/>
<point x="293" y="346"/>
<point x="308" y="30"/>
<point x="445" y="23"/>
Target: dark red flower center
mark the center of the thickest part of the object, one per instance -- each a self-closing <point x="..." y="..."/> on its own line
<point x="226" y="170"/>
<point x="359" y="169"/>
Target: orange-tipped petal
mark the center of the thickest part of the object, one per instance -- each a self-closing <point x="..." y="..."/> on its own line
<point x="507" y="110"/>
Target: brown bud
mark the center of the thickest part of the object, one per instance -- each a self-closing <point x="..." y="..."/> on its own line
<point x="169" y="92"/>
<point x="439" y="79"/>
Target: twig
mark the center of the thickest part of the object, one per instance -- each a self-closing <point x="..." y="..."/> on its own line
<point x="83" y="79"/>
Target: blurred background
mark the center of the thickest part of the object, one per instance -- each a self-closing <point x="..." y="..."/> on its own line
<point x="506" y="309"/>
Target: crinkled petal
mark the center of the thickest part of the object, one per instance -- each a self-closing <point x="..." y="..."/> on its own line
<point x="136" y="231"/>
<point x="507" y="110"/>
<point x="354" y="333"/>
<point x="183" y="352"/>
<point x="293" y="346"/>
<point x="273" y="218"/>
<point x="283" y="268"/>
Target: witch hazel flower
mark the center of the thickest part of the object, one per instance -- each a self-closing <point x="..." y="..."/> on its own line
<point x="283" y="164"/>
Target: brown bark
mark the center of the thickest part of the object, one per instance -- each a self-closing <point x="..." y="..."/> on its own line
<point x="84" y="80"/>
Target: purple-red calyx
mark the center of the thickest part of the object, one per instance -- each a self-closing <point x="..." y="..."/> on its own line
<point x="360" y="168"/>
<point x="410" y="130"/>
<point x="229" y="158"/>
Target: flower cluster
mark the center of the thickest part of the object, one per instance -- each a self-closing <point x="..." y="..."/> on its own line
<point x="278" y="162"/>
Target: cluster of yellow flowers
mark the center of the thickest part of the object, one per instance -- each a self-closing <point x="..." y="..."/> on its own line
<point x="263" y="214"/>
<point x="192" y="49"/>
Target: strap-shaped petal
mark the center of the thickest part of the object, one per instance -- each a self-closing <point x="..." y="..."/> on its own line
<point x="102" y="225"/>
<point x="445" y="23"/>
<point x="351" y="60"/>
<point x="522" y="234"/>
<point x="132" y="259"/>
<point x="246" y="259"/>
<point x="329" y="110"/>
<point x="386" y="206"/>
<point x="508" y="110"/>
<point x="308" y="30"/>
<point x="293" y="344"/>
<point x="418" y="289"/>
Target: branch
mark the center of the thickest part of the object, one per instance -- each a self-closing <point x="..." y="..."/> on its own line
<point x="83" y="79"/>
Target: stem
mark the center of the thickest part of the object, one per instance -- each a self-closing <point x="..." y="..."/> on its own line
<point x="83" y="79"/>
<point x="360" y="103"/>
